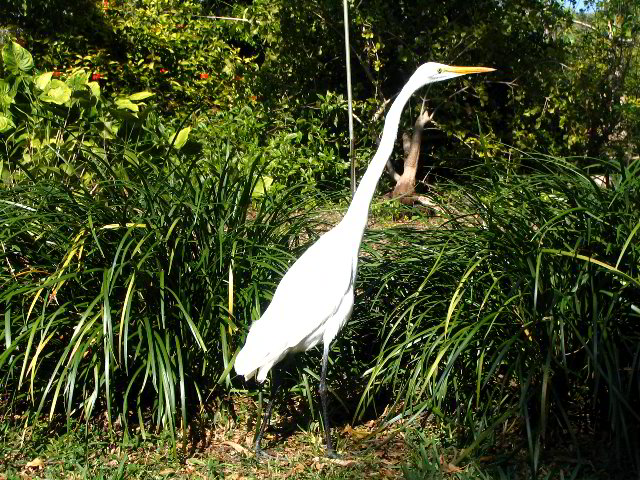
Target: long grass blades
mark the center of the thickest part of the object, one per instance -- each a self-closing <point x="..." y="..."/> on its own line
<point x="117" y="294"/>
<point x="521" y="306"/>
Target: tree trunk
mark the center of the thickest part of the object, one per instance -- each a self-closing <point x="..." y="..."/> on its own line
<point x="405" y="188"/>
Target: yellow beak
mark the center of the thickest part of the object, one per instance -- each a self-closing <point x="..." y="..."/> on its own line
<point x="467" y="70"/>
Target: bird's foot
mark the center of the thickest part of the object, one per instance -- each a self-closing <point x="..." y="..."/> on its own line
<point x="331" y="453"/>
<point x="263" y="455"/>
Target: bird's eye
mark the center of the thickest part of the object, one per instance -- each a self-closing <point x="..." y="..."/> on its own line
<point x="439" y="70"/>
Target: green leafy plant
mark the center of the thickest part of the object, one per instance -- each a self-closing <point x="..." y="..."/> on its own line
<point x="132" y="261"/>
<point x="125" y="294"/>
<point x="520" y="307"/>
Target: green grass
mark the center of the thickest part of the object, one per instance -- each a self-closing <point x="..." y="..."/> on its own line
<point x="520" y="308"/>
<point x="137" y="292"/>
<point x="217" y="450"/>
<point x="218" y="446"/>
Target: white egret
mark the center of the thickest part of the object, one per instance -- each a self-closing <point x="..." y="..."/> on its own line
<point x="315" y="297"/>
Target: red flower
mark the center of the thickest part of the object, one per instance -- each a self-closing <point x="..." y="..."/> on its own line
<point x="203" y="76"/>
<point x="56" y="74"/>
<point x="163" y="70"/>
<point x="96" y="76"/>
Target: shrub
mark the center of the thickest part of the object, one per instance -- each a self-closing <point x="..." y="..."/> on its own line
<point x="133" y="260"/>
<point x="523" y="305"/>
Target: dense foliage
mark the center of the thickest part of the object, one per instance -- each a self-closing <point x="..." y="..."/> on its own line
<point x="265" y="56"/>
<point x="160" y="160"/>
<point x="524" y="305"/>
<point x="120" y="248"/>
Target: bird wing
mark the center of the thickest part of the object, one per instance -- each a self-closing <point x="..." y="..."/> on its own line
<point x="314" y="288"/>
<point x="308" y="296"/>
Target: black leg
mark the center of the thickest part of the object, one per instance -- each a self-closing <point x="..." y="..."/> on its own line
<point x="331" y="453"/>
<point x="276" y="383"/>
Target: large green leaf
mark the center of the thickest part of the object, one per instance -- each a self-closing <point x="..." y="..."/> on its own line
<point x="95" y="88"/>
<point x="78" y="80"/>
<point x="125" y="103"/>
<point x="16" y="59"/>
<point x="56" y="92"/>
<point x="43" y="80"/>
<point x="6" y="96"/>
<point x="140" y="96"/>
<point x="262" y="185"/>
<point x="180" y="138"/>
<point x="5" y="123"/>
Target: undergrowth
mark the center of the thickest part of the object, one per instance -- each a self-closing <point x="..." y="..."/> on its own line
<point x="517" y="313"/>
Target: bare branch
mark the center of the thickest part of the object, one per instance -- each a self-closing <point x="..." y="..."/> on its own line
<point x="233" y="19"/>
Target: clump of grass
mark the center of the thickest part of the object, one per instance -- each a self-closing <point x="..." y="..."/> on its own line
<point x="522" y="306"/>
<point x="135" y="256"/>
<point x="135" y="292"/>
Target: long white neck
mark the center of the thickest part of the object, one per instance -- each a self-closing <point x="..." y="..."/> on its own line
<point x="358" y="212"/>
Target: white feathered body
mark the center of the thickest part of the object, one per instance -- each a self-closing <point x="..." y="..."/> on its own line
<point x="315" y="297"/>
<point x="311" y="304"/>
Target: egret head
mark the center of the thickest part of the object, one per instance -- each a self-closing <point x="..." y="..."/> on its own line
<point x="436" y="72"/>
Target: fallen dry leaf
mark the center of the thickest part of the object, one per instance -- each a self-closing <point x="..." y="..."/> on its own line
<point x="35" y="463"/>
<point x="166" y="471"/>
<point x="342" y="462"/>
<point x="236" y="446"/>
<point x="357" y="433"/>
<point x="318" y="465"/>
<point x="448" y="467"/>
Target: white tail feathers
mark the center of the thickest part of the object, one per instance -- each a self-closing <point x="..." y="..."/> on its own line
<point x="258" y="355"/>
<point x="251" y="365"/>
<point x="245" y="364"/>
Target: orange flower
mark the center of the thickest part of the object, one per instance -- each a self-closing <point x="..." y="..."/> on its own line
<point x="203" y="76"/>
<point x="56" y="74"/>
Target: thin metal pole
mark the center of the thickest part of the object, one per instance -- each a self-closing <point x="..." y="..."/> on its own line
<point x="350" y="101"/>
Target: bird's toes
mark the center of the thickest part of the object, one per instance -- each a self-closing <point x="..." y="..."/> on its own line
<point x="263" y="455"/>
<point x="331" y="453"/>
